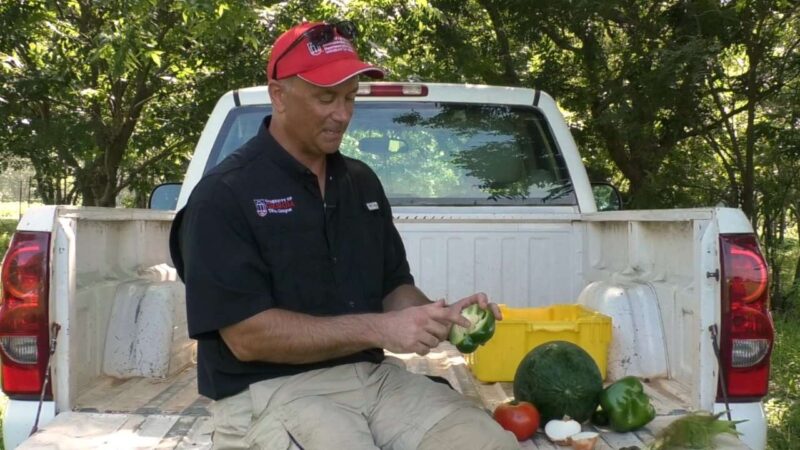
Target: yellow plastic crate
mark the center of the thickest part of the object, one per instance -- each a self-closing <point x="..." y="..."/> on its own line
<point x="523" y="329"/>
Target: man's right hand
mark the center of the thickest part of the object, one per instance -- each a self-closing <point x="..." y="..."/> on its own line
<point x="418" y="329"/>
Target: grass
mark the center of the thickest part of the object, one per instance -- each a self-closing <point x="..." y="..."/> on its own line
<point x="783" y="402"/>
<point x="12" y="210"/>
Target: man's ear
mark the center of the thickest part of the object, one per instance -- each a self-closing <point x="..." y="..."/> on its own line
<point x="277" y="94"/>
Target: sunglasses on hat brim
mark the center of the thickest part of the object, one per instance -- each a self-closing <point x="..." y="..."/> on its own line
<point x="318" y="36"/>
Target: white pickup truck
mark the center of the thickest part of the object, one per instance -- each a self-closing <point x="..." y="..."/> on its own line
<point x="489" y="194"/>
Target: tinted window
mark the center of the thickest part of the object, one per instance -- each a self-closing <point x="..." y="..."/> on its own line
<point x="442" y="153"/>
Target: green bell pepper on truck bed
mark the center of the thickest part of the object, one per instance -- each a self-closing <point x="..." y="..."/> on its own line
<point x="467" y="340"/>
<point x="626" y="405"/>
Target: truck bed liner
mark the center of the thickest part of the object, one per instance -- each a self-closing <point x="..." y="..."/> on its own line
<point x="169" y="414"/>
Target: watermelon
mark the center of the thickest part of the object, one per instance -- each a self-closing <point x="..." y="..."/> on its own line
<point x="561" y="379"/>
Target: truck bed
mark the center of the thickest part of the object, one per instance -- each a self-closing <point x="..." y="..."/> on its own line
<point x="168" y="413"/>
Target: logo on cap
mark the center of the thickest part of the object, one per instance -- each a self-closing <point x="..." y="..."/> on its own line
<point x="314" y="49"/>
<point x="338" y="44"/>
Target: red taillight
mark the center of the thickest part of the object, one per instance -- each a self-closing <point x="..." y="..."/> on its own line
<point x="392" y="90"/>
<point x="747" y="329"/>
<point x="24" y="317"/>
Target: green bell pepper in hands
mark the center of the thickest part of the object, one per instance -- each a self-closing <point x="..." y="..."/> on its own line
<point x="467" y="340"/>
<point x="626" y="405"/>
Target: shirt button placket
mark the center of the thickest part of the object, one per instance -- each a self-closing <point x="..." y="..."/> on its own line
<point x="335" y="260"/>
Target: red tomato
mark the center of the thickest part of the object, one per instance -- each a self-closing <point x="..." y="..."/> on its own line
<point x="520" y="418"/>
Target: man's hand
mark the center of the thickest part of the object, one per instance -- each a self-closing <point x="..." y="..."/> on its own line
<point x="418" y="329"/>
<point x="482" y="300"/>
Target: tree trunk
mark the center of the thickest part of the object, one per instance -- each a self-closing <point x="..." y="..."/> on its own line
<point x="47" y="191"/>
<point x="509" y="74"/>
<point x="748" y="177"/>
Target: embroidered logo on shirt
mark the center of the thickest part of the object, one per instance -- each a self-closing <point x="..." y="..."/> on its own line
<point x="372" y="206"/>
<point x="266" y="206"/>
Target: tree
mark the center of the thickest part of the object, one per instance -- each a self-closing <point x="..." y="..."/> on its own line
<point x="750" y="125"/>
<point x="101" y="92"/>
<point x="633" y="71"/>
<point x="759" y="57"/>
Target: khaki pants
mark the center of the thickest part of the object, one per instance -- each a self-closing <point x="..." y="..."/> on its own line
<point x="353" y="407"/>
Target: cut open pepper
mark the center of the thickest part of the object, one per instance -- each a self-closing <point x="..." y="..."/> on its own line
<point x="467" y="340"/>
<point x="627" y="405"/>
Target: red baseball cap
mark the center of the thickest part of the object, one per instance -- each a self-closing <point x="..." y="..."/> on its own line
<point x="326" y="65"/>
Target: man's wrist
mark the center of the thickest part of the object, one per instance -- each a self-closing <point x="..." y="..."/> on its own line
<point x="372" y="325"/>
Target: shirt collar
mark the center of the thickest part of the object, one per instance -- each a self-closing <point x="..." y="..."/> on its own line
<point x="334" y="165"/>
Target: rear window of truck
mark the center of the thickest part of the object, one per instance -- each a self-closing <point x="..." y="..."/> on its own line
<point x="444" y="154"/>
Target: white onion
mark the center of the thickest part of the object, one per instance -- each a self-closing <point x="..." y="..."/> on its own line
<point x="584" y="441"/>
<point x="559" y="431"/>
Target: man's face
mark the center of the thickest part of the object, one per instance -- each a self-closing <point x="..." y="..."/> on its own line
<point x="317" y="117"/>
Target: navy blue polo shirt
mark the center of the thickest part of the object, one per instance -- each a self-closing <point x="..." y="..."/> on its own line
<point x="256" y="233"/>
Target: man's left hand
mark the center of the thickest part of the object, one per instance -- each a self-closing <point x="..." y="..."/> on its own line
<point x="481" y="299"/>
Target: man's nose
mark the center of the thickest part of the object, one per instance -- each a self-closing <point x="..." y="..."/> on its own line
<point x="342" y="111"/>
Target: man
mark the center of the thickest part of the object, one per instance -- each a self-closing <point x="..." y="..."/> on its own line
<point x="296" y="280"/>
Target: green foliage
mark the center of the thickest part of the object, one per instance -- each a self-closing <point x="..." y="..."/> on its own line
<point x="784" y="256"/>
<point x="109" y="95"/>
<point x="633" y="74"/>
<point x="697" y="429"/>
<point x="7" y="228"/>
<point x="782" y="404"/>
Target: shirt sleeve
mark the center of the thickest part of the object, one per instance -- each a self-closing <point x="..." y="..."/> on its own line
<point x="396" y="268"/>
<point x="226" y="278"/>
